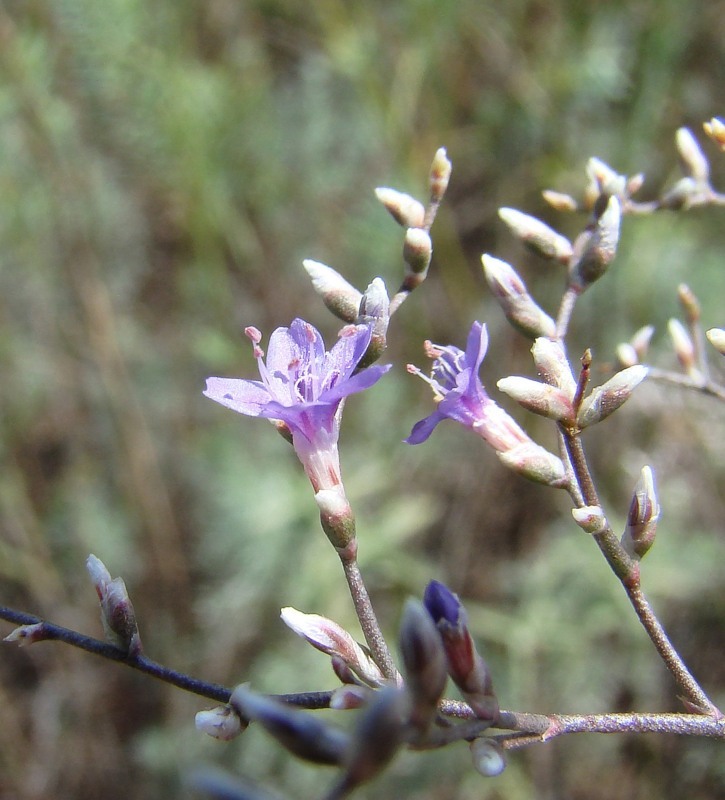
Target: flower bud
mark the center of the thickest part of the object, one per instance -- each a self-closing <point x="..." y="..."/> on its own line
<point x="405" y="210"/>
<point x="117" y="614"/>
<point x="689" y="302"/>
<point x="350" y="696"/>
<point x="634" y="184"/>
<point x="221" y="722"/>
<point x="553" y="365"/>
<point x="375" y="313"/>
<point x="607" y="398"/>
<point x="424" y="659"/>
<point x="515" y="301"/>
<point x="684" y="348"/>
<point x="640" y="341"/>
<point x="644" y="512"/>
<point x="547" y="401"/>
<point x="28" y="634"/>
<point x="590" y="519"/>
<point x="340" y="297"/>
<point x="693" y="159"/>
<point x="559" y="201"/>
<point x="716" y="337"/>
<point x="465" y="666"/>
<point x="333" y="639"/>
<point x="595" y="249"/>
<point x="535" y="463"/>
<point x="336" y="517"/>
<point x="488" y="757"/>
<point x="607" y="180"/>
<point x="440" y="174"/>
<point x="683" y="195"/>
<point x="417" y="253"/>
<point x="626" y="355"/>
<point x="537" y="235"/>
<point x="715" y="129"/>
<point x="301" y="732"/>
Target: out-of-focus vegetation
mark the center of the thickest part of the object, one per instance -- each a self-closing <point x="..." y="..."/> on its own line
<point x="164" y="167"/>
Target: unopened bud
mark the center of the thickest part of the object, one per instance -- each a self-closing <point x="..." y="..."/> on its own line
<point x="553" y="365"/>
<point x="425" y="664"/>
<point x="440" y="174"/>
<point x="336" y="517"/>
<point x="716" y="337"/>
<point x="221" y="722"/>
<point x="689" y="302"/>
<point x="466" y="667"/>
<point x="27" y="634"/>
<point x="537" y="235"/>
<point x="640" y="341"/>
<point x="301" y="732"/>
<point x="515" y="301"/>
<point x="405" y="210"/>
<point x="644" y="512"/>
<point x="626" y="355"/>
<point x="684" y="348"/>
<point x="590" y="519"/>
<point x="715" y="129"/>
<point x="350" y="696"/>
<point x="375" y="313"/>
<point x="608" y="181"/>
<point x="376" y="738"/>
<point x="340" y="297"/>
<point x="559" y="201"/>
<point x="117" y="614"/>
<point x="595" y="249"/>
<point x="332" y="639"/>
<point x="607" y="398"/>
<point x="488" y="757"/>
<point x="547" y="401"/>
<point x="535" y="463"/>
<point x="417" y="253"/>
<point x="682" y="195"/>
<point x="693" y="159"/>
<point x="634" y="183"/>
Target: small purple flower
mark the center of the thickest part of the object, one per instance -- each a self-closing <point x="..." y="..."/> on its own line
<point x="442" y="604"/>
<point x="461" y="397"/>
<point x="303" y="386"/>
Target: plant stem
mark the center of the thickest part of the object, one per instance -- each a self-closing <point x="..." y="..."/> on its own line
<point x="627" y="570"/>
<point x="366" y="615"/>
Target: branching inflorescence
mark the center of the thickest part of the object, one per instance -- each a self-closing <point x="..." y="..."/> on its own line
<point x="302" y="390"/>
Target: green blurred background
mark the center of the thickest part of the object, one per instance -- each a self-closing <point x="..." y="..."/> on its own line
<point x="164" y="168"/>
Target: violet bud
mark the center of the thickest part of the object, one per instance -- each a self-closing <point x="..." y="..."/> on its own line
<point x="424" y="659"/>
<point x="540" y="398"/>
<point x="339" y="296"/>
<point x="693" y="159"/>
<point x="715" y="129"/>
<point x="488" y="757"/>
<point x="221" y="723"/>
<point x="515" y="301"/>
<point x="465" y="666"/>
<point x="117" y="614"/>
<point x="537" y="235"/>
<point x="405" y="210"/>
<point x="644" y="512"/>
<point x="301" y="732"/>
<point x="377" y="737"/>
<point x="334" y="640"/>
<point x="607" y="398"/>
<point x="440" y="174"/>
<point x="716" y="337"/>
<point x="595" y="249"/>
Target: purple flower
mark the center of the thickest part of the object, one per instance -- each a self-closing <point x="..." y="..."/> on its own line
<point x="443" y="605"/>
<point x="461" y="396"/>
<point x="303" y="386"/>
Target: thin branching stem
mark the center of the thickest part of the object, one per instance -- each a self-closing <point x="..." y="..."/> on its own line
<point x="708" y="387"/>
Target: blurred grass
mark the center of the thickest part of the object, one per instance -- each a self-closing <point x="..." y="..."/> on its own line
<point x="164" y="168"/>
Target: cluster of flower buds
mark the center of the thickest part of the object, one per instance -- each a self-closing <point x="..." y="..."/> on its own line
<point x="635" y="350"/>
<point x="117" y="614"/>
